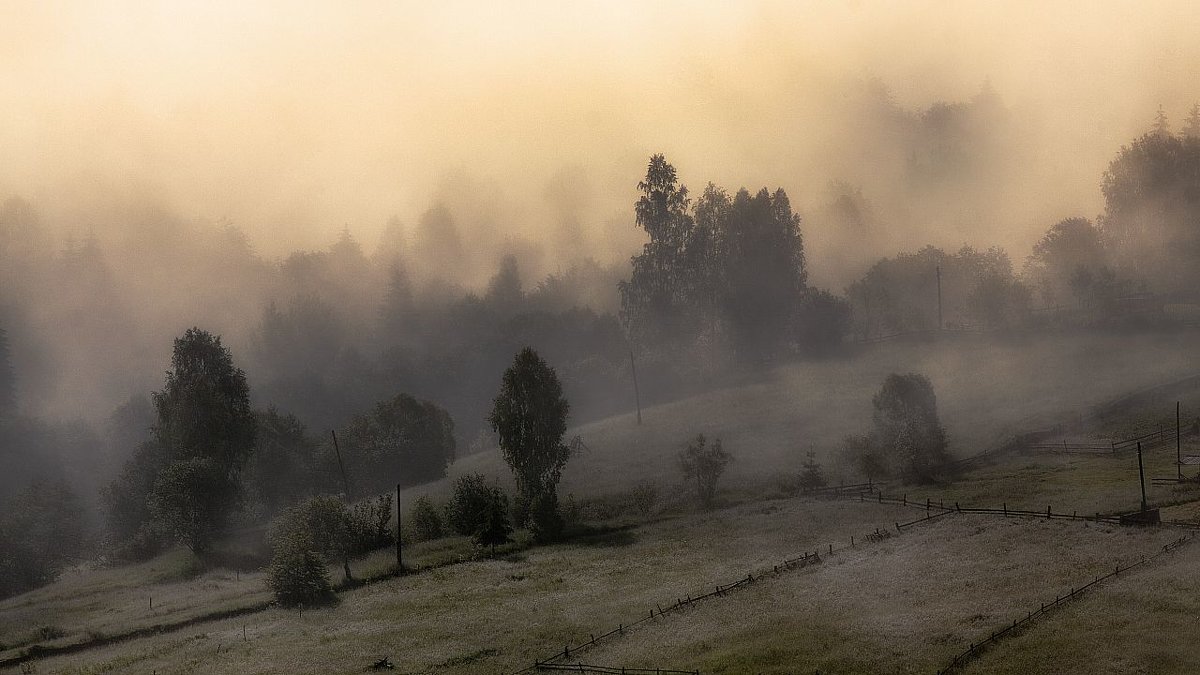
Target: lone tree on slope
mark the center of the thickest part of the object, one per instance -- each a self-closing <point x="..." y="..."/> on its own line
<point x="908" y="435"/>
<point x="530" y="417"/>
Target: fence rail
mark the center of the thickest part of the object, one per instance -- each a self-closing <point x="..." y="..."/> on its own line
<point x="610" y="670"/>
<point x="1149" y="440"/>
<point x="944" y="507"/>
<point x="974" y="649"/>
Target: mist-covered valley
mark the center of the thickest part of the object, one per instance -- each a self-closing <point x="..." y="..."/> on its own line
<point x="283" y="289"/>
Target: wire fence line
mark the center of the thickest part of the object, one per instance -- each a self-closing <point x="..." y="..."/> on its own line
<point x="610" y="670"/>
<point x="802" y="561"/>
<point x="974" y="649"/>
<point x="1150" y="440"/>
<point x="1004" y="511"/>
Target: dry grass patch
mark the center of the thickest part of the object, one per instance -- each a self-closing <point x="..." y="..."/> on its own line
<point x="1083" y="483"/>
<point x="906" y="605"/>
<point x="103" y="602"/>
<point x="500" y="615"/>
<point x="1143" y="622"/>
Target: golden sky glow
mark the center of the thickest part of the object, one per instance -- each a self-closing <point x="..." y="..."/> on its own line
<point x="293" y="119"/>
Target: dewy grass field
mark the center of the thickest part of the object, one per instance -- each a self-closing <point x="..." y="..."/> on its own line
<point x="906" y="603"/>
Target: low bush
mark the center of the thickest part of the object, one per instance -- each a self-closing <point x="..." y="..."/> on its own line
<point x="426" y="523"/>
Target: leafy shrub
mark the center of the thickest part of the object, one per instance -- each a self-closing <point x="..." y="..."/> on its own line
<point x="426" y="522"/>
<point x="467" y="510"/>
<point x="704" y="464"/>
<point x="495" y="529"/>
<point x="369" y="526"/>
<point x="643" y="497"/>
<point x="303" y="539"/>
<point x="297" y="575"/>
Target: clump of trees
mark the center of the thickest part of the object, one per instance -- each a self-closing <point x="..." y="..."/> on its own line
<point x="900" y="294"/>
<point x="287" y="464"/>
<point x="907" y="439"/>
<point x="183" y="483"/>
<point x="1152" y="207"/>
<point x="704" y="463"/>
<point x="1069" y="267"/>
<point x="529" y="417"/>
<point x="318" y="531"/>
<point x="41" y="532"/>
<point x="728" y="270"/>
<point x="403" y="440"/>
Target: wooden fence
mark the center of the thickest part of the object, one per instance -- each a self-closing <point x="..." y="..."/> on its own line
<point x="974" y="649"/>
<point x="1049" y="514"/>
<point x="1150" y="440"/>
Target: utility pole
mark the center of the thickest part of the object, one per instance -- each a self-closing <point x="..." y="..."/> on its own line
<point x="346" y="488"/>
<point x="399" y="546"/>
<point x="938" y="269"/>
<point x="1178" y="444"/>
<point x="338" y="452"/>
<point x="637" y="397"/>
<point x="1142" y="476"/>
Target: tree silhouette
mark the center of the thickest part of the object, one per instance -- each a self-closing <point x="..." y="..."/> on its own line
<point x="8" y="394"/>
<point x="529" y="416"/>
<point x="402" y="440"/>
<point x="907" y="427"/>
<point x="704" y="464"/>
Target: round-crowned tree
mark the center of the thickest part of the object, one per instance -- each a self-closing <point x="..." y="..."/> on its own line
<point x="530" y="417"/>
<point x="404" y="439"/>
<point x="907" y="427"/>
<point x="203" y="433"/>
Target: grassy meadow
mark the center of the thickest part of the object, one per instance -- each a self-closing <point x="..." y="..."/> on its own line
<point x="986" y="391"/>
<point x="905" y="603"/>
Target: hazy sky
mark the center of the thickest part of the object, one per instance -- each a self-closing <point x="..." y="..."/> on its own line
<point x="292" y="119"/>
